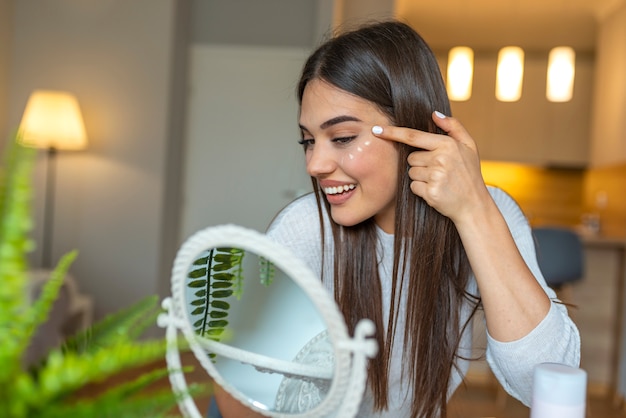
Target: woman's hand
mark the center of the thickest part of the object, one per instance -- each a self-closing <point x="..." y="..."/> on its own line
<point x="445" y="172"/>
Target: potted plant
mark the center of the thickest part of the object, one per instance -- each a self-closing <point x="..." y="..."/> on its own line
<point x="55" y="387"/>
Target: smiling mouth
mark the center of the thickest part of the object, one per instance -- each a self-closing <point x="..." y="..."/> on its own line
<point x="339" y="189"/>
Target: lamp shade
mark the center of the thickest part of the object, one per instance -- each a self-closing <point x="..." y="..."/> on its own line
<point x="460" y="73"/>
<point x="52" y="119"/>
<point x="510" y="73"/>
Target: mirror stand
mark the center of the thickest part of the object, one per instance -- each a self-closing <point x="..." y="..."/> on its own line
<point x="362" y="348"/>
<point x="168" y="321"/>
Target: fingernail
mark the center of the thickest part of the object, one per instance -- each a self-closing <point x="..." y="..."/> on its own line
<point x="439" y="114"/>
<point x="377" y="130"/>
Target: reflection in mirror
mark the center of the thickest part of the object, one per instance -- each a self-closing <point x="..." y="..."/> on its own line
<point x="271" y="337"/>
<point x="264" y="327"/>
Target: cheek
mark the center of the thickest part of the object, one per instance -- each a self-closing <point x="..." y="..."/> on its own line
<point x="372" y="156"/>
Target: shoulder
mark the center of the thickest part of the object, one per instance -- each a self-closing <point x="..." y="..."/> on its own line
<point x="296" y="214"/>
<point x="298" y="228"/>
<point x="297" y="222"/>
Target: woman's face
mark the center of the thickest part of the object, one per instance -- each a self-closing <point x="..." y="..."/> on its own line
<point x="358" y="172"/>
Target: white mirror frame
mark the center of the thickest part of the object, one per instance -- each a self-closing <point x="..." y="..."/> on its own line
<point x="350" y="354"/>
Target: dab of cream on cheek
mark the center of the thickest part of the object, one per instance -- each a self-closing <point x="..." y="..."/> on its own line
<point x="359" y="150"/>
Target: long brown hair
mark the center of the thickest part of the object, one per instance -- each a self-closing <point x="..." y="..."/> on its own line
<point x="390" y="65"/>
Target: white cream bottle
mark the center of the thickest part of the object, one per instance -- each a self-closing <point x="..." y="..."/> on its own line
<point x="559" y="391"/>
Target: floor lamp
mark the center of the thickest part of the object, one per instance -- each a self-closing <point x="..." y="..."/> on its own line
<point x="52" y="121"/>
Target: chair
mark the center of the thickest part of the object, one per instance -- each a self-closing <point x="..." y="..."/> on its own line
<point x="560" y="255"/>
<point x="71" y="312"/>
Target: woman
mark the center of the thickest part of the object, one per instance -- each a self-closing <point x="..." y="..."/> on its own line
<point x="403" y="230"/>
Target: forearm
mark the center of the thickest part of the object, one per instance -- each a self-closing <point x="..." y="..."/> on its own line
<point x="514" y="302"/>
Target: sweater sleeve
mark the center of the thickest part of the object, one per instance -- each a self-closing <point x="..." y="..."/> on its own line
<point x="554" y="339"/>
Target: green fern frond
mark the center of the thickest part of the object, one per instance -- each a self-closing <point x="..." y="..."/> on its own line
<point x="267" y="271"/>
<point x="126" y="390"/>
<point x="157" y="404"/>
<point x="65" y="372"/>
<point x="216" y="275"/>
<point x="124" y="325"/>
<point x="231" y="260"/>
<point x="15" y="222"/>
<point x="38" y="312"/>
<point x="129" y="392"/>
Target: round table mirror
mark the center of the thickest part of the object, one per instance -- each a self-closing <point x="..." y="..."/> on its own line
<point x="264" y="328"/>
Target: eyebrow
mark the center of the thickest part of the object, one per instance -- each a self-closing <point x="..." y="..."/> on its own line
<point x="335" y="121"/>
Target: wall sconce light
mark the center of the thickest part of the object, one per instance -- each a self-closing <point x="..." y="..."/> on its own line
<point x="561" y="71"/>
<point x="52" y="120"/>
<point x="510" y="73"/>
<point x="460" y="73"/>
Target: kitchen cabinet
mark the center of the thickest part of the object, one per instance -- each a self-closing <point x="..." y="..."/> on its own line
<point x="608" y="143"/>
<point x="531" y="130"/>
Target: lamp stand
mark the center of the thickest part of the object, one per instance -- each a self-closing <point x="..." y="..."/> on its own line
<point x="49" y="209"/>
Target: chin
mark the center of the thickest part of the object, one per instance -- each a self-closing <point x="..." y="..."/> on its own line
<point x="347" y="221"/>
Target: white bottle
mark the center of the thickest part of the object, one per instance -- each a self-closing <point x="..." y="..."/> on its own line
<point x="559" y="391"/>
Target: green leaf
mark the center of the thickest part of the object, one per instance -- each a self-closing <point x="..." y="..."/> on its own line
<point x="198" y="302"/>
<point x="216" y="331"/>
<point x="198" y="311"/>
<point x="194" y="274"/>
<point x="223" y="276"/>
<point x="120" y="327"/>
<point x="197" y="283"/>
<point x="15" y="223"/>
<point x="219" y="304"/>
<point x="201" y="261"/>
<point x="221" y="294"/>
<point x="221" y="285"/>
<point x="266" y="271"/>
<point x="66" y="372"/>
<point x="38" y="312"/>
<point x="222" y="267"/>
<point x="224" y="258"/>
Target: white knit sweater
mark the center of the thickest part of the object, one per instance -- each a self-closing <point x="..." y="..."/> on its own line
<point x="555" y="339"/>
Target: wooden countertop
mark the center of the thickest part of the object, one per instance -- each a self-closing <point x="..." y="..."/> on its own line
<point x="603" y="240"/>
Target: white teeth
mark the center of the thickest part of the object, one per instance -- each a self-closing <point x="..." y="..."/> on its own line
<point x="339" y="189"/>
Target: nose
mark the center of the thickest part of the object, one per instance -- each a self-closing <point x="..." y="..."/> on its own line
<point x="320" y="161"/>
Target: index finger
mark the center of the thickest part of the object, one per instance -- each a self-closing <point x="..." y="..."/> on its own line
<point x="412" y="137"/>
<point x="427" y="140"/>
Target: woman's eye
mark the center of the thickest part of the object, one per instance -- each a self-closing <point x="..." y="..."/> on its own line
<point x="306" y="143"/>
<point x="343" y="140"/>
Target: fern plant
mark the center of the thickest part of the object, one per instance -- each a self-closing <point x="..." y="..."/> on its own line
<point x="52" y="388"/>
<point x="217" y="275"/>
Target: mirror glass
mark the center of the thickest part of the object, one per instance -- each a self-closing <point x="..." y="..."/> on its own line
<point x="260" y="330"/>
